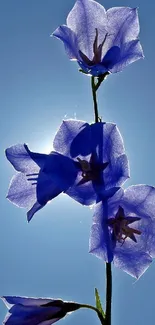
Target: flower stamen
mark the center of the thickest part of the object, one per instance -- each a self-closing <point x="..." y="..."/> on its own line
<point x="91" y="171"/>
<point x="97" y="50"/>
<point x="33" y="178"/>
<point x="120" y="226"/>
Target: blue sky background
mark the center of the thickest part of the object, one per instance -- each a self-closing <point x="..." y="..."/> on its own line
<point x="40" y="87"/>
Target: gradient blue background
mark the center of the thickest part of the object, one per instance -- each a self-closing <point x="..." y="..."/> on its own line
<point x="39" y="87"/>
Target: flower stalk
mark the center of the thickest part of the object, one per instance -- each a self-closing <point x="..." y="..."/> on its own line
<point x="108" y="293"/>
<point x="107" y="320"/>
<point x="100" y="316"/>
<point x="93" y="86"/>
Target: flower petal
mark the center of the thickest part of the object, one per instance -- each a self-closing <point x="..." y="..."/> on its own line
<point x="26" y="315"/>
<point x="36" y="207"/>
<point x="25" y="301"/>
<point x="23" y="159"/>
<point x="13" y="320"/>
<point x="139" y="200"/>
<point x="46" y="188"/>
<point x="100" y="243"/>
<point x="111" y="58"/>
<point x="73" y="138"/>
<point x="85" y="17"/>
<point x="134" y="262"/>
<point x="69" y="39"/>
<point x="21" y="191"/>
<point x="60" y="170"/>
<point x="49" y="322"/>
<point x="107" y="138"/>
<point x="32" y="191"/>
<point x="129" y="53"/>
<point x="77" y="138"/>
<point x="84" y="193"/>
<point x="107" y="141"/>
<point x="123" y="25"/>
<point x="117" y="172"/>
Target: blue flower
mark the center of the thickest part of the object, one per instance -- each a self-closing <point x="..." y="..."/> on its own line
<point x="101" y="41"/>
<point x="88" y="163"/>
<point x="123" y="229"/>
<point x="32" y="187"/>
<point x="98" y="152"/>
<point x="36" y="311"/>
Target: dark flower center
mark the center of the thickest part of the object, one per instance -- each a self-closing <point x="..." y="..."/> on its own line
<point x="120" y="226"/>
<point x="91" y="171"/>
<point x="97" y="50"/>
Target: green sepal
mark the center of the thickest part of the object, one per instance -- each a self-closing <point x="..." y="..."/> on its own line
<point x="98" y="303"/>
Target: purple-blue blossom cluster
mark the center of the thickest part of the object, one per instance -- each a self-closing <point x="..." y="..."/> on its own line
<point x="88" y="162"/>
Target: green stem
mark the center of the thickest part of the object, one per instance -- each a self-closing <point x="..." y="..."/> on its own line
<point x="102" y="320"/>
<point x="101" y="79"/>
<point x="108" y="293"/>
<point x="93" y="86"/>
<point x="107" y="319"/>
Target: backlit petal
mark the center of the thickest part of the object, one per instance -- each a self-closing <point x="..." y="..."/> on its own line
<point x="83" y="19"/>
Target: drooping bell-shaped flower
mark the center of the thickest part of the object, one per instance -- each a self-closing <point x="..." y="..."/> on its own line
<point x="36" y="311"/>
<point x="123" y="229"/>
<point x="101" y="41"/>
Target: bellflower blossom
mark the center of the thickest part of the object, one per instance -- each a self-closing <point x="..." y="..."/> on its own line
<point x="36" y="311"/>
<point x="88" y="163"/>
<point x="32" y="187"/>
<point x="97" y="150"/>
<point x="101" y="41"/>
<point x="123" y="230"/>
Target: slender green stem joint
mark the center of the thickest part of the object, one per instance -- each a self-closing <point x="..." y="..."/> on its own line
<point x="108" y="293"/>
<point x="93" y="86"/>
<point x="102" y="320"/>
